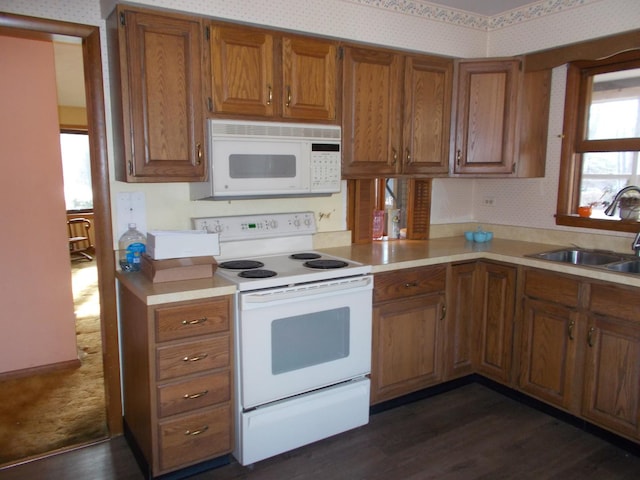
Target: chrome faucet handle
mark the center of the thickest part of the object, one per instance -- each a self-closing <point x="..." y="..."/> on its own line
<point x="635" y="245"/>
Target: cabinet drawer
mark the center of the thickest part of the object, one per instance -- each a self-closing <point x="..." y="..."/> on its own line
<point x="615" y="301"/>
<point x="195" y="437"/>
<point x="194" y="393"/>
<point x="409" y="282"/>
<point x="552" y="287"/>
<point x="173" y="323"/>
<point x="186" y="358"/>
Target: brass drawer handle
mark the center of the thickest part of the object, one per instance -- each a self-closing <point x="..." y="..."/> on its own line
<point x="191" y="396"/>
<point x="410" y="284"/>
<point x="195" y="358"/>
<point x="395" y="156"/>
<point x="199" y="153"/>
<point x="269" y="94"/>
<point x="195" y="321"/>
<point x="572" y="323"/>
<point x="590" y="336"/>
<point x="197" y="432"/>
<point x="288" y="104"/>
<point x="444" y="312"/>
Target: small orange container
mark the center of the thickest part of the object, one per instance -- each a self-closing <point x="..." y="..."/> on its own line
<point x="584" y="211"/>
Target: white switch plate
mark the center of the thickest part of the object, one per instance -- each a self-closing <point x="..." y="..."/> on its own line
<point x="130" y="208"/>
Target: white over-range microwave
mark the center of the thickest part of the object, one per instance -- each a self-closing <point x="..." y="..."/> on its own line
<point x="270" y="159"/>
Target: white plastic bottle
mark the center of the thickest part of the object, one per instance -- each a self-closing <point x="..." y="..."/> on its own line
<point x="132" y="245"/>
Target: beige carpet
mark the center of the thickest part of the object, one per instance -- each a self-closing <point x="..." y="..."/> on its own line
<point x="44" y="413"/>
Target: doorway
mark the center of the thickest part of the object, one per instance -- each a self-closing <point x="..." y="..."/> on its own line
<point x="43" y="29"/>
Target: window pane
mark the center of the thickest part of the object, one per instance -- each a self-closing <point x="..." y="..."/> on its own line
<point x="615" y="105"/>
<point x="603" y="175"/>
<point x="76" y="170"/>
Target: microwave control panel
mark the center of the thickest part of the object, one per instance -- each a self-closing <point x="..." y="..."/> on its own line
<point x="325" y="168"/>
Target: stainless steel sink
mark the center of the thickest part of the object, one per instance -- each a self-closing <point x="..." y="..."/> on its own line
<point x="578" y="256"/>
<point x="631" y="266"/>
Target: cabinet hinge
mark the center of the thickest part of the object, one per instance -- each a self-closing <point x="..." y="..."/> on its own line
<point x="123" y="20"/>
<point x="340" y="53"/>
<point x="520" y="65"/>
<point x="513" y="167"/>
<point x="207" y="33"/>
<point x="130" y="167"/>
<point x="210" y="104"/>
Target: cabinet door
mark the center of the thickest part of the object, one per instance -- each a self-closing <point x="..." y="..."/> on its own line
<point x="309" y="79"/>
<point x="163" y="114"/>
<point x="407" y="346"/>
<point x="461" y="312"/>
<point x="494" y="323"/>
<point x="548" y="355"/>
<point x="486" y="116"/>
<point x="242" y="70"/>
<point x="612" y="375"/>
<point x="427" y="115"/>
<point x="372" y="91"/>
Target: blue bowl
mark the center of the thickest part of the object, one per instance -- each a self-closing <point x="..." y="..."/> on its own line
<point x="469" y="236"/>
<point x="480" y="237"/>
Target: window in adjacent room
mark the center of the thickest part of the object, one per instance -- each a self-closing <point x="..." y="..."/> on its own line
<point x="76" y="169"/>
<point x="601" y="146"/>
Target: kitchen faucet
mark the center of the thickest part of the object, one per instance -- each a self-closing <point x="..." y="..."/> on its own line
<point x="635" y="245"/>
<point x="610" y="210"/>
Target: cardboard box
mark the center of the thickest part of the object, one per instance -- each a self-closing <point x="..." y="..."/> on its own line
<point x="174" y="269"/>
<point x="164" y="244"/>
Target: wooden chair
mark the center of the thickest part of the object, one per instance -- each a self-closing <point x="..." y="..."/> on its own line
<point x="79" y="240"/>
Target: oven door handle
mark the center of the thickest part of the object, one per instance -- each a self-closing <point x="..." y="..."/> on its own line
<point x="345" y="286"/>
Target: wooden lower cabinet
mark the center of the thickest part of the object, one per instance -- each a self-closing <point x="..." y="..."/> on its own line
<point x="551" y="332"/>
<point x="580" y="348"/>
<point x="493" y="330"/>
<point x="408" y="331"/>
<point x="461" y="313"/>
<point x="611" y="395"/>
<point x="177" y="380"/>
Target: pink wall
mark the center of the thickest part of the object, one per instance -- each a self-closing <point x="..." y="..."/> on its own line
<point x="37" y="325"/>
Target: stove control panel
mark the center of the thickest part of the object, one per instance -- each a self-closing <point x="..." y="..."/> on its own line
<point x="246" y="227"/>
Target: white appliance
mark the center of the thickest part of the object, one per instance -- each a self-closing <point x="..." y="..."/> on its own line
<point x="302" y="333"/>
<point x="270" y="159"/>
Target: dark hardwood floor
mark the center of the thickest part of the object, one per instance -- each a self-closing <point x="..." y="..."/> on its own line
<point x="471" y="432"/>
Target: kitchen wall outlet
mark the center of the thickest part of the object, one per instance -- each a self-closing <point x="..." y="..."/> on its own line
<point x="489" y="202"/>
<point x="130" y="208"/>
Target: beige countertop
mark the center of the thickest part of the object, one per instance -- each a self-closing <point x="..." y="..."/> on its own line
<point x="392" y="255"/>
<point x="385" y="256"/>
<point x="168" y="292"/>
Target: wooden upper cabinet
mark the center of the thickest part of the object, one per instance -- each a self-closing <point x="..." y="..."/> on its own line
<point x="486" y="116"/>
<point x="250" y="77"/>
<point x="396" y="113"/>
<point x="372" y="93"/>
<point x="501" y="121"/>
<point x="242" y="63"/>
<point x="309" y="77"/>
<point x="427" y="115"/>
<point x="160" y="100"/>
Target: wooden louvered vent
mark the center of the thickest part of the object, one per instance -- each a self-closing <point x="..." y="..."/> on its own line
<point x="419" y="209"/>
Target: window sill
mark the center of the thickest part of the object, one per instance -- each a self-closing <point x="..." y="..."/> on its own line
<point x="598" y="223"/>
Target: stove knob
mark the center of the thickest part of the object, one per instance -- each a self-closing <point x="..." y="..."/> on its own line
<point x="296" y="222"/>
<point x="307" y="221"/>
<point x="272" y="224"/>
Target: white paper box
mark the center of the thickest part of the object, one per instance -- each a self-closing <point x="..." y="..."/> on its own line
<point x="163" y="244"/>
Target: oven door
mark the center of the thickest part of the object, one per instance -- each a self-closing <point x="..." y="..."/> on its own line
<point x="294" y="340"/>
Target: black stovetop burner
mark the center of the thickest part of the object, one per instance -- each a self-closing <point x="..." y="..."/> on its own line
<point x="325" y="264"/>
<point x="305" y="256"/>
<point x="241" y="264"/>
<point x="258" y="273"/>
